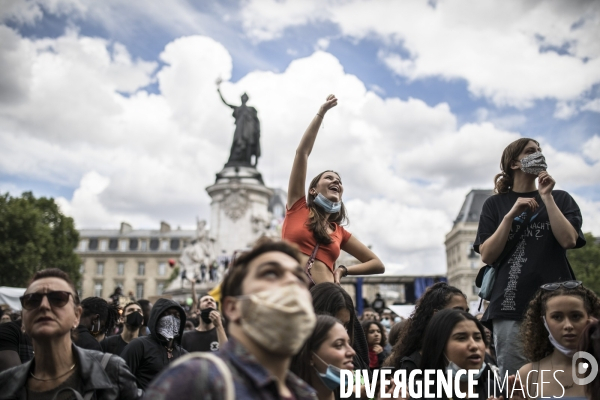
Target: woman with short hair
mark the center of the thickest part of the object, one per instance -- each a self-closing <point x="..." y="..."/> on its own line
<point x="59" y="369"/>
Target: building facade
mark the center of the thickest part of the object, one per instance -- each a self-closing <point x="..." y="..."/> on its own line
<point x="135" y="260"/>
<point x="463" y="263"/>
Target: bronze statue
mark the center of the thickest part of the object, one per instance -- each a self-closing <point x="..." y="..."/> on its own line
<point x="246" y="139"/>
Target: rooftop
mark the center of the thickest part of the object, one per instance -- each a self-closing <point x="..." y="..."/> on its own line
<point x="471" y="208"/>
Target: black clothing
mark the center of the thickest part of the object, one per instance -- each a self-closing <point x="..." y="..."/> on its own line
<point x="113" y="344"/>
<point x="74" y="381"/>
<point x="13" y="339"/>
<point x="200" y="340"/>
<point x="536" y="259"/>
<point x="111" y="383"/>
<point x="86" y="340"/>
<point x="147" y="356"/>
<point x="410" y="362"/>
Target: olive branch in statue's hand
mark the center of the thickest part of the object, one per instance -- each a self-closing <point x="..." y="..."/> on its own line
<point x="218" y="81"/>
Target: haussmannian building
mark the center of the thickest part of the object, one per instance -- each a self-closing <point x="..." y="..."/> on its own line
<point x="136" y="260"/>
<point x="463" y="262"/>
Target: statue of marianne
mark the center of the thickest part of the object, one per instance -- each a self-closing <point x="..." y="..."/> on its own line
<point x="246" y="139"/>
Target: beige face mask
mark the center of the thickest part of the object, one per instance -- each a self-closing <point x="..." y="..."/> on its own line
<point x="280" y="320"/>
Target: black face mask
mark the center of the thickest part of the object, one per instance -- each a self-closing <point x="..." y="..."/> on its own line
<point x="134" y="320"/>
<point x="204" y="315"/>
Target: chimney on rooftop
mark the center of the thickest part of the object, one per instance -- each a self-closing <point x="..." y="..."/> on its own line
<point x="125" y="228"/>
<point x="164" y="227"/>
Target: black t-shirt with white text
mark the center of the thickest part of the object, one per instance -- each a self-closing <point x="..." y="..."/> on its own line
<point x="536" y="259"/>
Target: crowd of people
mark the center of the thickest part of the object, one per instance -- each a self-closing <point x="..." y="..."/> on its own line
<point x="286" y="329"/>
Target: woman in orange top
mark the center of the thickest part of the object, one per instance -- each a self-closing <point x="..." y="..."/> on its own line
<point x="317" y="217"/>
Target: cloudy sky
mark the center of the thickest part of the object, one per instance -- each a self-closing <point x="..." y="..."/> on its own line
<point x="111" y="107"/>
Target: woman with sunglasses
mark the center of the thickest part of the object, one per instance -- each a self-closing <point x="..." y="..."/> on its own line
<point x="555" y="320"/>
<point x="524" y="231"/>
<point x="59" y="369"/>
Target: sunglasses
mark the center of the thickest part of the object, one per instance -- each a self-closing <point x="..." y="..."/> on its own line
<point x="56" y="298"/>
<point x="565" y="284"/>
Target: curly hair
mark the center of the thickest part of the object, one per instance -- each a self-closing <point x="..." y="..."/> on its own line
<point x="435" y="298"/>
<point x="503" y="181"/>
<point x="536" y="344"/>
<point x="107" y="312"/>
<point x="590" y="342"/>
<point x="317" y="222"/>
<point x="367" y="324"/>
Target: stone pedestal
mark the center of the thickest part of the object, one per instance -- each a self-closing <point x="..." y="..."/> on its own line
<point x="239" y="208"/>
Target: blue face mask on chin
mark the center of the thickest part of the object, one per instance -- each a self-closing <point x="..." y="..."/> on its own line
<point x="331" y="377"/>
<point x="327" y="205"/>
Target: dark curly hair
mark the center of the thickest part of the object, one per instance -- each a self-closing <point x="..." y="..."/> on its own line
<point x="435" y="298"/>
<point x="367" y="324"/>
<point x="107" y="312"/>
<point x="317" y="223"/>
<point x="536" y="344"/>
<point x="590" y="342"/>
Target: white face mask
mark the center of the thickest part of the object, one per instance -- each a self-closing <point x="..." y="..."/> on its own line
<point x="534" y="163"/>
<point x="168" y="327"/>
<point x="566" y="351"/>
<point x="280" y="320"/>
<point x="453" y="368"/>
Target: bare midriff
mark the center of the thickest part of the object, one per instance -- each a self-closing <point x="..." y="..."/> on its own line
<point x="320" y="272"/>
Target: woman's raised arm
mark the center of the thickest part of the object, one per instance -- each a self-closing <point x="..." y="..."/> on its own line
<point x="296" y="188"/>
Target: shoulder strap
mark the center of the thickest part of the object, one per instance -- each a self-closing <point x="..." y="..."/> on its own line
<point x="311" y="260"/>
<point x="219" y="364"/>
<point x="105" y="359"/>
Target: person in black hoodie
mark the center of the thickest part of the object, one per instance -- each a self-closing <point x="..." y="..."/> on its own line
<point x="147" y="356"/>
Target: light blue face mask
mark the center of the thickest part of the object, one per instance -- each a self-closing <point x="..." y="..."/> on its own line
<point x="386" y="323"/>
<point x="331" y="377"/>
<point x="327" y="205"/>
<point x="453" y="368"/>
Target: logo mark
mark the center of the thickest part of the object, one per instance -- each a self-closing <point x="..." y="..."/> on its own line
<point x="579" y="367"/>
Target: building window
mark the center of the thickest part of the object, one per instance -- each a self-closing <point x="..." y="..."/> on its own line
<point x="133" y="244"/>
<point x="153" y="244"/>
<point x="113" y="244"/>
<point x="121" y="268"/>
<point x="103" y="245"/>
<point x="144" y="245"/>
<point x="82" y="245"/>
<point x="81" y="268"/>
<point x="139" y="290"/>
<point x="100" y="268"/>
<point x="141" y="268"/>
<point x="93" y="244"/>
<point x="160" y="288"/>
<point x="98" y="289"/>
<point x="174" y="244"/>
<point x="123" y="245"/>
<point x="474" y="264"/>
<point x="164" y="246"/>
<point x="162" y="268"/>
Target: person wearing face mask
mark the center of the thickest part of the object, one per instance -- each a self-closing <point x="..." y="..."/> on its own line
<point x="313" y="221"/>
<point x="553" y="326"/>
<point x="147" y="356"/>
<point x="327" y="351"/>
<point x="454" y="341"/>
<point x="524" y="232"/>
<point x="269" y="312"/>
<point x="210" y="334"/>
<point x="98" y="317"/>
<point x="132" y="320"/>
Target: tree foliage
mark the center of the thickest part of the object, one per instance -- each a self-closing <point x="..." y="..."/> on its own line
<point x="586" y="263"/>
<point x="35" y="235"/>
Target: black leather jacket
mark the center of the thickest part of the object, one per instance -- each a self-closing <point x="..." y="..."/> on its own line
<point x="114" y="382"/>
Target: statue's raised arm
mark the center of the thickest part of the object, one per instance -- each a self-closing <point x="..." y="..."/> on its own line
<point x="219" y="80"/>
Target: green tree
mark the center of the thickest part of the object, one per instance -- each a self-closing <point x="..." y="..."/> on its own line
<point x="586" y="263"/>
<point x="35" y="235"/>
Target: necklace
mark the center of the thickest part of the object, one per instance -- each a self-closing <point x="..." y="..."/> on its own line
<point x="567" y="387"/>
<point x="51" y="379"/>
<point x="169" y="352"/>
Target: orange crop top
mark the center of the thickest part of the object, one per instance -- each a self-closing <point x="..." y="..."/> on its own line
<point x="295" y="230"/>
